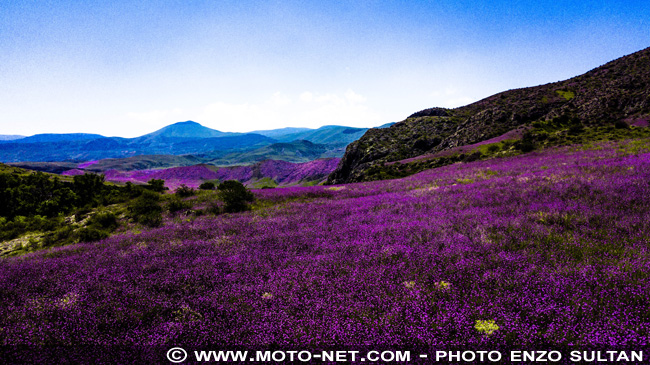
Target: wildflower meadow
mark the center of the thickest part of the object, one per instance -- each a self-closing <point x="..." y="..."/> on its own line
<point x="544" y="249"/>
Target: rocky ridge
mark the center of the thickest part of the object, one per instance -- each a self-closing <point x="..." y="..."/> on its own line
<point x="618" y="91"/>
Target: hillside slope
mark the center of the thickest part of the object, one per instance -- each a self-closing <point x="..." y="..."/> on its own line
<point x="332" y="134"/>
<point x="618" y="91"/>
<point x="269" y="173"/>
<point x="296" y="151"/>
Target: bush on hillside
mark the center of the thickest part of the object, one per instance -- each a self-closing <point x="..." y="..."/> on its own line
<point x="235" y="196"/>
<point x="208" y="185"/>
<point x="91" y="234"/>
<point x="184" y="191"/>
<point x="621" y="125"/>
<point x="157" y="185"/>
<point x="146" y="209"/>
<point x="89" y="188"/>
<point x="105" y="220"/>
<point x="176" y="204"/>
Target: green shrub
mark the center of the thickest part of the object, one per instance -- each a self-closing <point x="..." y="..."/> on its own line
<point x="106" y="220"/>
<point x="91" y="234"/>
<point x="176" y="204"/>
<point x="88" y="187"/>
<point x="526" y="146"/>
<point x="61" y="235"/>
<point x="235" y="196"/>
<point x="527" y="143"/>
<point x="184" y="191"/>
<point x="576" y="129"/>
<point x="621" y="125"/>
<point x="81" y="213"/>
<point x="133" y="191"/>
<point x="473" y="157"/>
<point x="157" y="185"/>
<point x="208" y="185"/>
<point x="493" y="148"/>
<point x="146" y="209"/>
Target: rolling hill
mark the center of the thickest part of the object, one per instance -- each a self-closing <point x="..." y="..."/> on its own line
<point x="278" y="133"/>
<point x="616" y="94"/>
<point x="296" y="151"/>
<point x="50" y="137"/>
<point x="10" y="137"/>
<point x="329" y="134"/>
<point x="188" y="129"/>
<point x="269" y="173"/>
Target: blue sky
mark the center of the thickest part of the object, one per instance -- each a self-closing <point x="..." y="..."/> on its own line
<point x="127" y="68"/>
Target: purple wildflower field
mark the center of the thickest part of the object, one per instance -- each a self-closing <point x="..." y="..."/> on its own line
<point x="83" y="165"/>
<point x="282" y="172"/>
<point x="552" y="246"/>
<point x="73" y="172"/>
<point x="189" y="175"/>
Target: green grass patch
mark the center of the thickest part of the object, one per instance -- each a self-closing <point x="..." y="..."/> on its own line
<point x="266" y="182"/>
<point x="635" y="147"/>
<point x="568" y="95"/>
<point x="494" y="148"/>
<point x="464" y="181"/>
<point x="310" y="183"/>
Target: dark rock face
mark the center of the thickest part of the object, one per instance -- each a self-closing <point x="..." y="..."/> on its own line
<point x="616" y="91"/>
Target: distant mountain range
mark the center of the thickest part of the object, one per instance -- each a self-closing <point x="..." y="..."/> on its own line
<point x="329" y="134"/>
<point x="183" y="138"/>
<point x="51" y="138"/>
<point x="296" y="152"/>
<point x="10" y="137"/>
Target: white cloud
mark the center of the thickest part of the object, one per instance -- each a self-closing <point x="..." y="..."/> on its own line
<point x="354" y="97"/>
<point x="280" y="99"/>
<point x="307" y="109"/>
<point x="306" y="96"/>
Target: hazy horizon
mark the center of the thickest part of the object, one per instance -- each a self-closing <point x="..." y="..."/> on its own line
<point x="182" y="121"/>
<point x="128" y="68"/>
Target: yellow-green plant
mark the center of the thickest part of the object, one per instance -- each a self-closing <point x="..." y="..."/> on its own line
<point x="442" y="285"/>
<point x="335" y="188"/>
<point x="409" y="284"/>
<point x="486" y="327"/>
